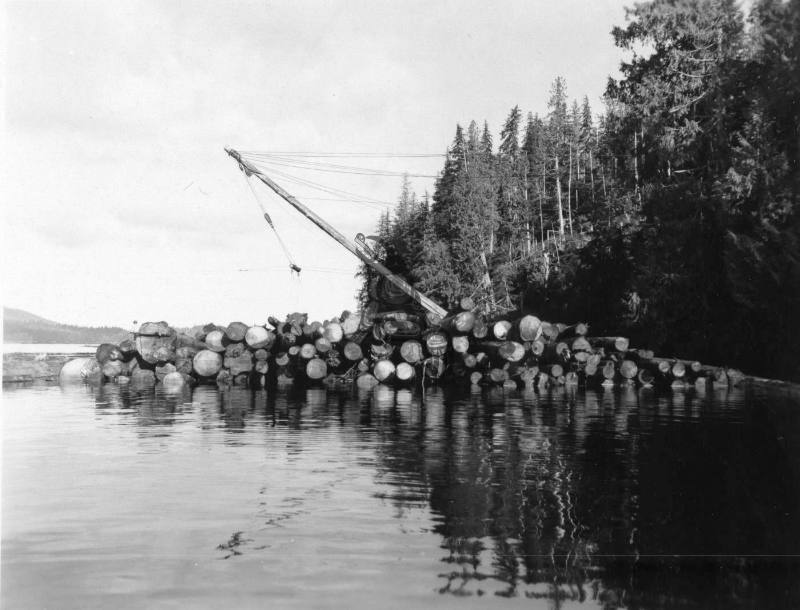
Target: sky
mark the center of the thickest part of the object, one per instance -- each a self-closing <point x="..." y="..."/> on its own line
<point x="119" y="202"/>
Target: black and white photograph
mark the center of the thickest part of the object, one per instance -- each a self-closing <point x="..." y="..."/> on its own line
<point x="366" y="304"/>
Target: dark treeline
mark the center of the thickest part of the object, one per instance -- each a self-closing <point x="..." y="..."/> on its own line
<point x="671" y="216"/>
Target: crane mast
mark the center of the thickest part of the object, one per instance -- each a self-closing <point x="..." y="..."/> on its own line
<point x="427" y="303"/>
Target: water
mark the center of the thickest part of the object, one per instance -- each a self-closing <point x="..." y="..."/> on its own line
<point x="313" y="499"/>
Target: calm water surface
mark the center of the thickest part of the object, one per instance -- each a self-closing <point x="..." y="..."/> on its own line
<point x="209" y="498"/>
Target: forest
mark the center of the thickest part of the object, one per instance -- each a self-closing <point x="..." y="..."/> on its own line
<point x="669" y="216"/>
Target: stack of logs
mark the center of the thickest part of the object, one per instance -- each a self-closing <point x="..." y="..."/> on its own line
<point x="393" y="347"/>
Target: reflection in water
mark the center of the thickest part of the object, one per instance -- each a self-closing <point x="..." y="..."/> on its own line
<point x="613" y="498"/>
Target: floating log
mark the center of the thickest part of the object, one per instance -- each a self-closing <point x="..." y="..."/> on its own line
<point x="207" y="363"/>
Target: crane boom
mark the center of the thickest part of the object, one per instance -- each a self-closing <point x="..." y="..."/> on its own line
<point x="384" y="271"/>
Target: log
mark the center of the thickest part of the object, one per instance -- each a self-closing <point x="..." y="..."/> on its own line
<point x="381" y="351"/>
<point x="610" y="344"/>
<point x="460" y="344"/>
<point x="333" y="332"/>
<point x="628" y="369"/>
<point x="352" y="351"/>
<point x="322" y="345"/>
<point x="106" y="352"/>
<point x="261" y="354"/>
<point x="645" y="377"/>
<point x="405" y="372"/>
<point x="113" y="368"/>
<point x="529" y="328"/>
<point x="467" y="303"/>
<point x="497" y="375"/>
<point x="216" y="340"/>
<point x="469" y="360"/>
<point x="128" y="349"/>
<point x="433" y="319"/>
<point x="173" y="381"/>
<point x="511" y="351"/>
<point x="411" y="351"/>
<point x="350" y="324"/>
<point x="234" y="350"/>
<point x="143" y="378"/>
<point x="163" y="370"/>
<point x="537" y="348"/>
<point x="207" y="363"/>
<point x="243" y="363"/>
<point x="500" y="329"/>
<point x="258" y="337"/>
<point x="307" y="351"/>
<point x="550" y="332"/>
<point x="609" y="370"/>
<point x="475" y="377"/>
<point x="261" y="367"/>
<point x="316" y="369"/>
<point x="236" y="331"/>
<point x="576" y="330"/>
<point x="480" y="329"/>
<point x="555" y="370"/>
<point x="156" y="342"/>
<point x="571" y="378"/>
<point x="224" y="377"/>
<point x="366" y="381"/>
<point x="383" y="370"/>
<point x="581" y="344"/>
<point x="436" y="343"/>
<point x="460" y="323"/>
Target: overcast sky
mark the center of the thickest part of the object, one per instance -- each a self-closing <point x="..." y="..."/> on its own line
<point x="119" y="202"/>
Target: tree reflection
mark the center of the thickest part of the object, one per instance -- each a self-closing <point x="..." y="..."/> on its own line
<point x="593" y="495"/>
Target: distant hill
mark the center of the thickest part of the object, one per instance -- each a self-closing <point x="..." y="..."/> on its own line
<point x="24" y="327"/>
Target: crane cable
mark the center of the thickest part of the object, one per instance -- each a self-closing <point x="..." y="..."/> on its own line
<point x="293" y="267"/>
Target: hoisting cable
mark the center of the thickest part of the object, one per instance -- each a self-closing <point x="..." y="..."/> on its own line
<point x="293" y="267"/>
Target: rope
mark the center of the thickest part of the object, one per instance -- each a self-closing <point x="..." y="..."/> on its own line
<point x="293" y="267"/>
